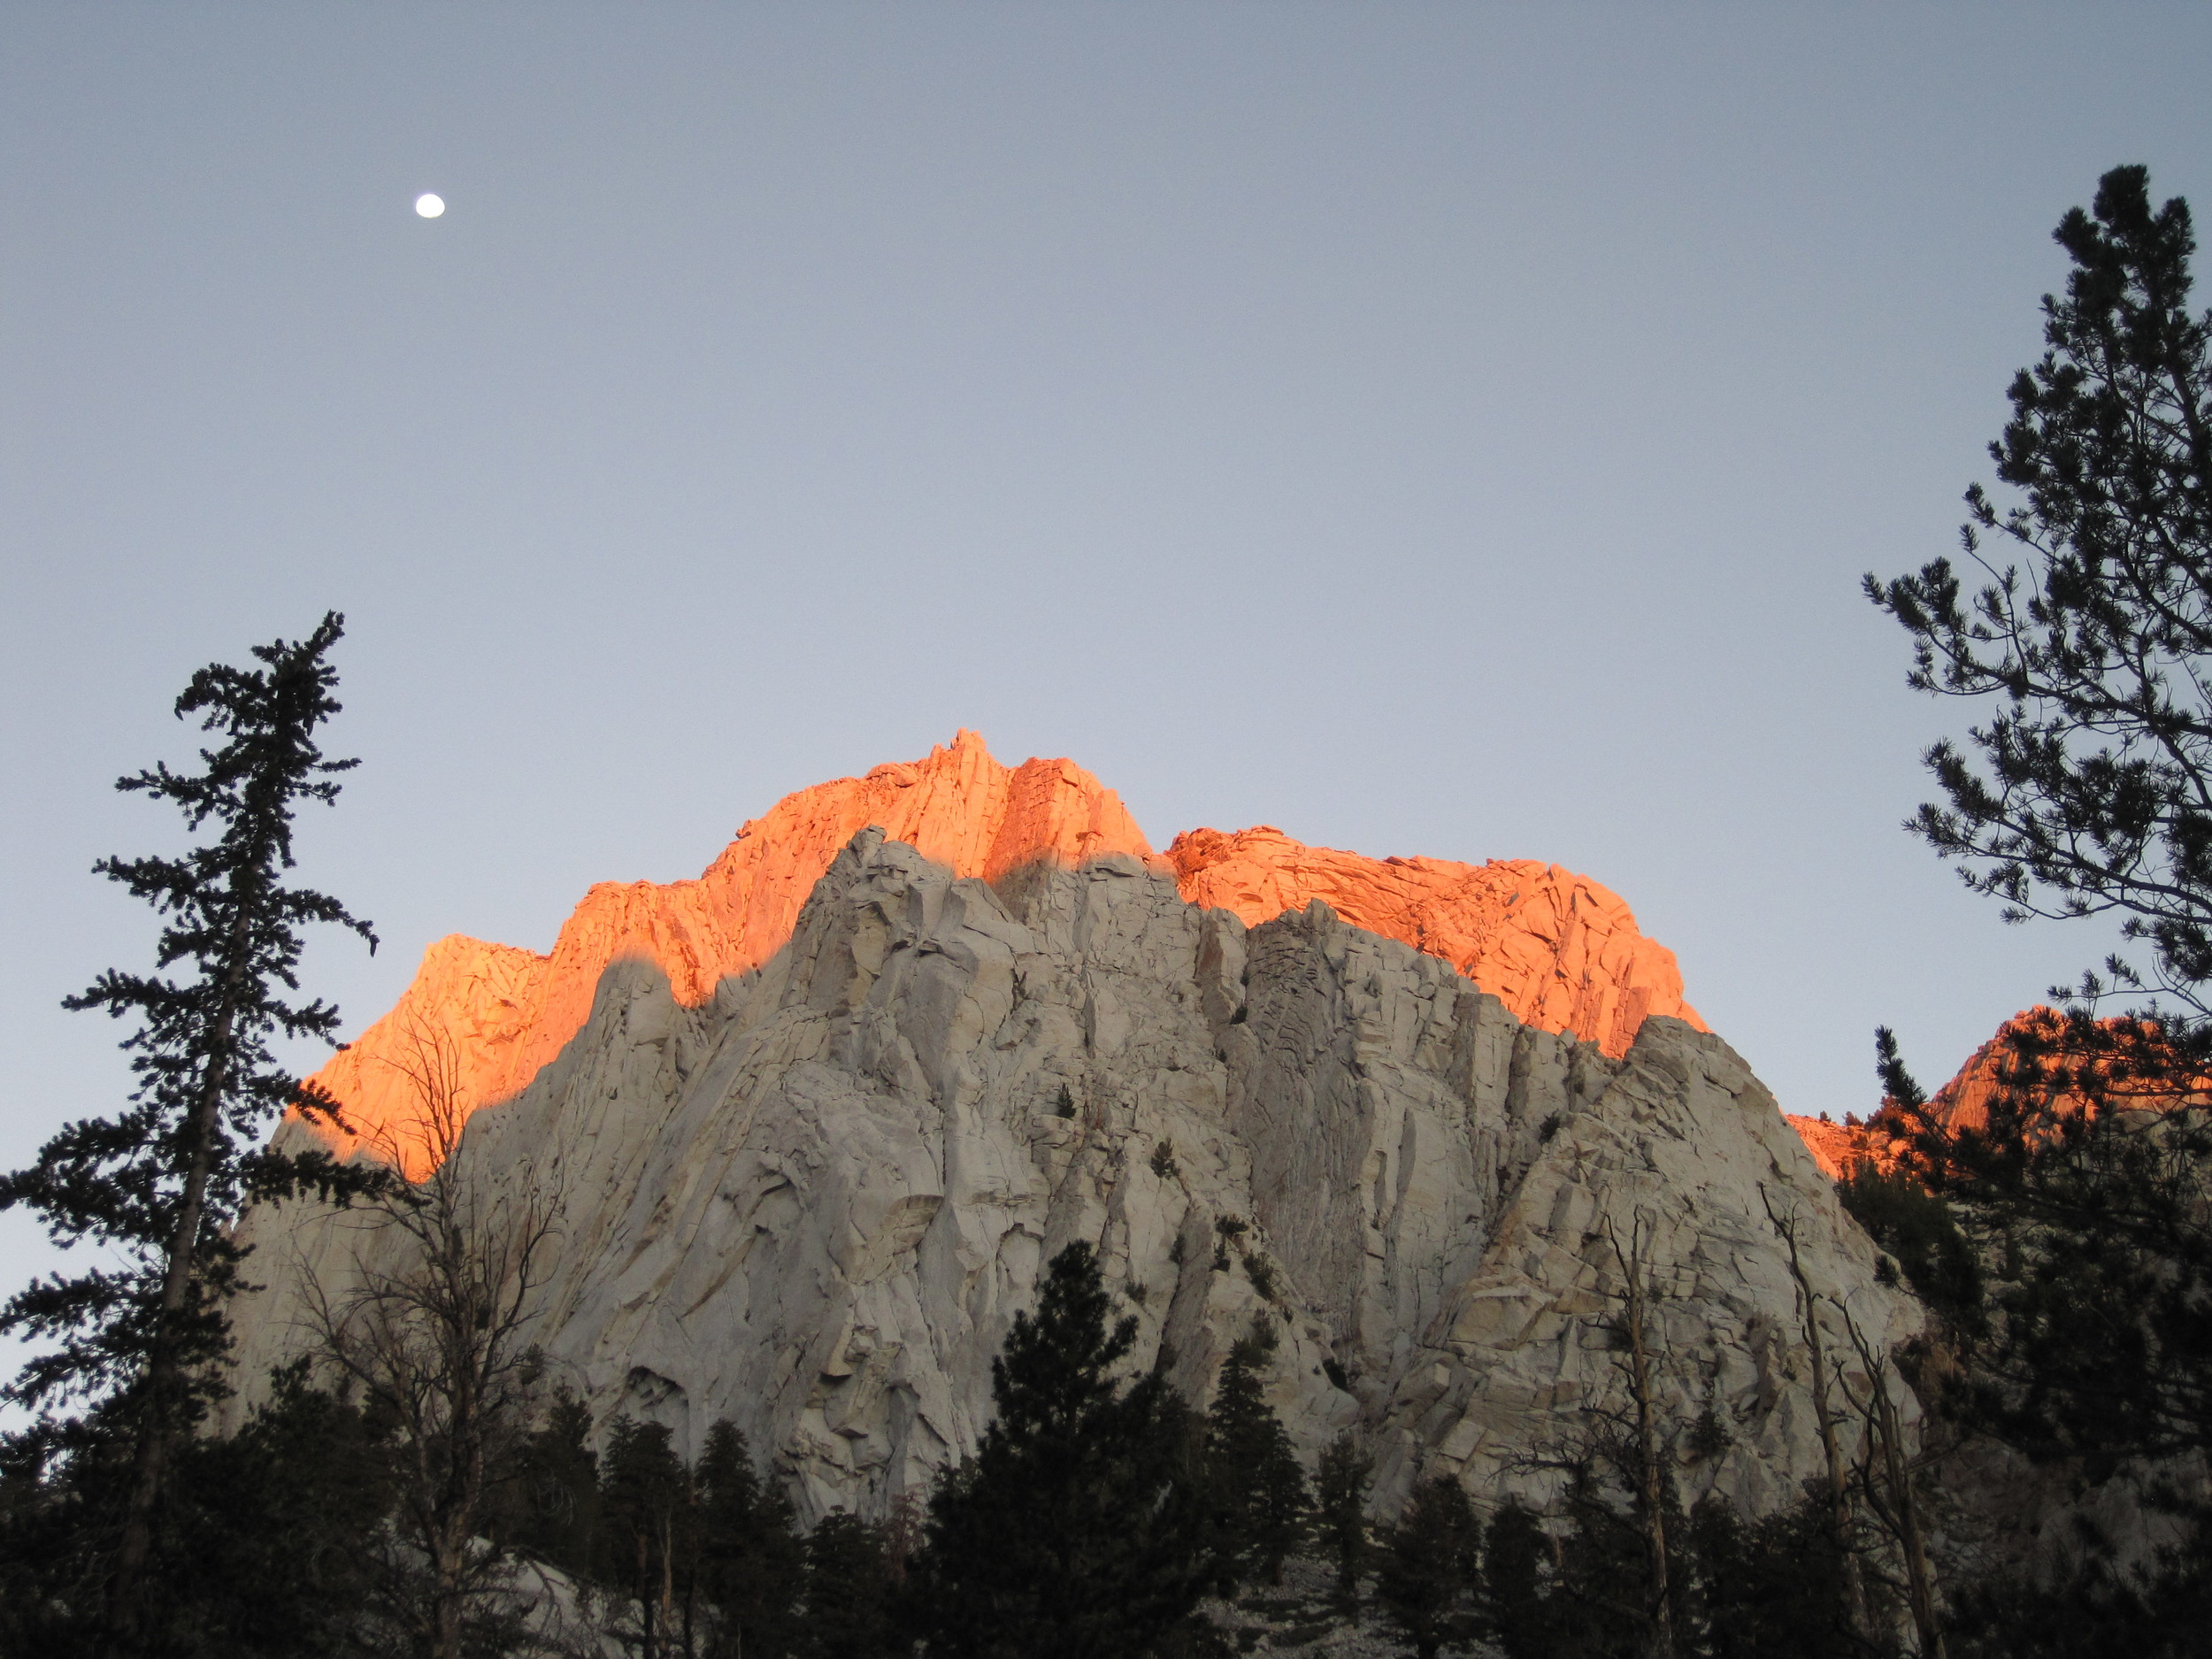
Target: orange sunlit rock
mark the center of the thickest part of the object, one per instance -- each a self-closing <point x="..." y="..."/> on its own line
<point x="2133" y="1058"/>
<point x="483" y="1003"/>
<point x="510" y="1011"/>
<point x="1835" y="1146"/>
<point x="1559" y="950"/>
<point x="2129" y="1048"/>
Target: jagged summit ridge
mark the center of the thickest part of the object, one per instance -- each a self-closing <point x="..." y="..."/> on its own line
<point x="509" y="1012"/>
<point x="2137" y="1067"/>
<point x="1562" y="952"/>
<point x="814" y="1201"/>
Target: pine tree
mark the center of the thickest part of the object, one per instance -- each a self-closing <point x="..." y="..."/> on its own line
<point x="1518" y="1609"/>
<point x="1341" y="1486"/>
<point x="1582" y="1583"/>
<point x="160" y="1184"/>
<point x="849" y="1612"/>
<point x="2092" y="792"/>
<point x="554" y="1510"/>
<point x="1917" y="1230"/>
<point x="1776" y="1586"/>
<point x="2092" y="795"/>
<point x="1257" y="1490"/>
<point x="268" y="1547"/>
<point x="1426" y="1572"/>
<point x="751" y="1560"/>
<point x="273" y="1535"/>
<point x="2096" y="1609"/>
<point x="645" y="1530"/>
<point x="1076" y="1529"/>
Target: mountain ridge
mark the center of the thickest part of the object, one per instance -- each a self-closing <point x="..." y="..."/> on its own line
<point x="1563" y="952"/>
<point x="814" y="1202"/>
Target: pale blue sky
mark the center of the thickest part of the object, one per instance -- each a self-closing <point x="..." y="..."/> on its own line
<point x="1452" y="429"/>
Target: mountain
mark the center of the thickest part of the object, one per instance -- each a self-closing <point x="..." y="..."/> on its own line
<point x="815" y="1120"/>
<point x="510" y="1011"/>
<point x="2134" y="1061"/>
<point x="1560" y="952"/>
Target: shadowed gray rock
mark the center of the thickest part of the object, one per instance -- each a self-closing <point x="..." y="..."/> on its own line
<point x="815" y="1203"/>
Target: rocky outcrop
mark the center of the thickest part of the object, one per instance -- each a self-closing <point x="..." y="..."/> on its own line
<point x="1560" y="951"/>
<point x="811" y="1194"/>
<point x="2132" y="1059"/>
<point x="509" y="1012"/>
<point x="1835" y="1146"/>
<point x="2136" y="1066"/>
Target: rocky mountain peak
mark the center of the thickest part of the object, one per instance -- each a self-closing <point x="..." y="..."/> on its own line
<point x="507" y="1013"/>
<point x="810" y="1147"/>
<point x="2135" y="1062"/>
<point x="1562" y="952"/>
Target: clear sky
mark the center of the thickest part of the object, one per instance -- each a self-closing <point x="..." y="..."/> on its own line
<point x="1452" y="429"/>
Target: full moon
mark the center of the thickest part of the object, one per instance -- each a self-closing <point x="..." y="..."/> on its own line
<point x="429" y="206"/>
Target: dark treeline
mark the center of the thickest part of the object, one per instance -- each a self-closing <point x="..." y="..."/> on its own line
<point x="1097" y="1518"/>
<point x="1092" y="1520"/>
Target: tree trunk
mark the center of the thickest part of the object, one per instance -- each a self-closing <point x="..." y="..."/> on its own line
<point x="155" y="1429"/>
<point x="1919" y="1580"/>
<point x="446" y="1641"/>
<point x="1901" y="1515"/>
<point x="668" y="1581"/>
<point x="1839" y="1486"/>
<point x="454" y="1535"/>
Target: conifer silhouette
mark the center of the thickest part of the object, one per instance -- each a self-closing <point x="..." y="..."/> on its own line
<point x="160" y="1183"/>
<point x="751" y="1558"/>
<point x="1076" y="1529"/>
<point x="1341" y="1486"/>
<point x="1424" y="1576"/>
<point x="1258" y="1491"/>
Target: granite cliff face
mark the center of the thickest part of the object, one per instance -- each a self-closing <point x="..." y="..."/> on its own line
<point x="510" y="1011"/>
<point x="1562" y="952"/>
<point x="815" y="1121"/>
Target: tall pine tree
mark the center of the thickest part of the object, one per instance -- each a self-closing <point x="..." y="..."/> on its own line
<point x="2089" y="795"/>
<point x="646" y="1535"/>
<point x="1258" y="1492"/>
<point x="1076" y="1529"/>
<point x="851" y="1605"/>
<point x="750" y="1554"/>
<point x="159" y="1184"/>
<point x="1340" y="1507"/>
<point x="2086" y="791"/>
<point x="1425" y="1575"/>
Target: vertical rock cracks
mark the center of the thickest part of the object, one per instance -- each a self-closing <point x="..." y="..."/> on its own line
<point x="813" y="1200"/>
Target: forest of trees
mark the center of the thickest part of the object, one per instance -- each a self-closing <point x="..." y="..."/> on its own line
<point x="1102" y="1516"/>
<point x="421" y="1482"/>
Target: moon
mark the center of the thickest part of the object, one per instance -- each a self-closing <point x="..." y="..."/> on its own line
<point x="428" y="205"/>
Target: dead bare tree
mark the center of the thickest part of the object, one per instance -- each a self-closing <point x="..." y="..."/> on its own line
<point x="1840" y="1519"/>
<point x="433" y="1330"/>
<point x="1885" y="1479"/>
<point x="1643" y="1432"/>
